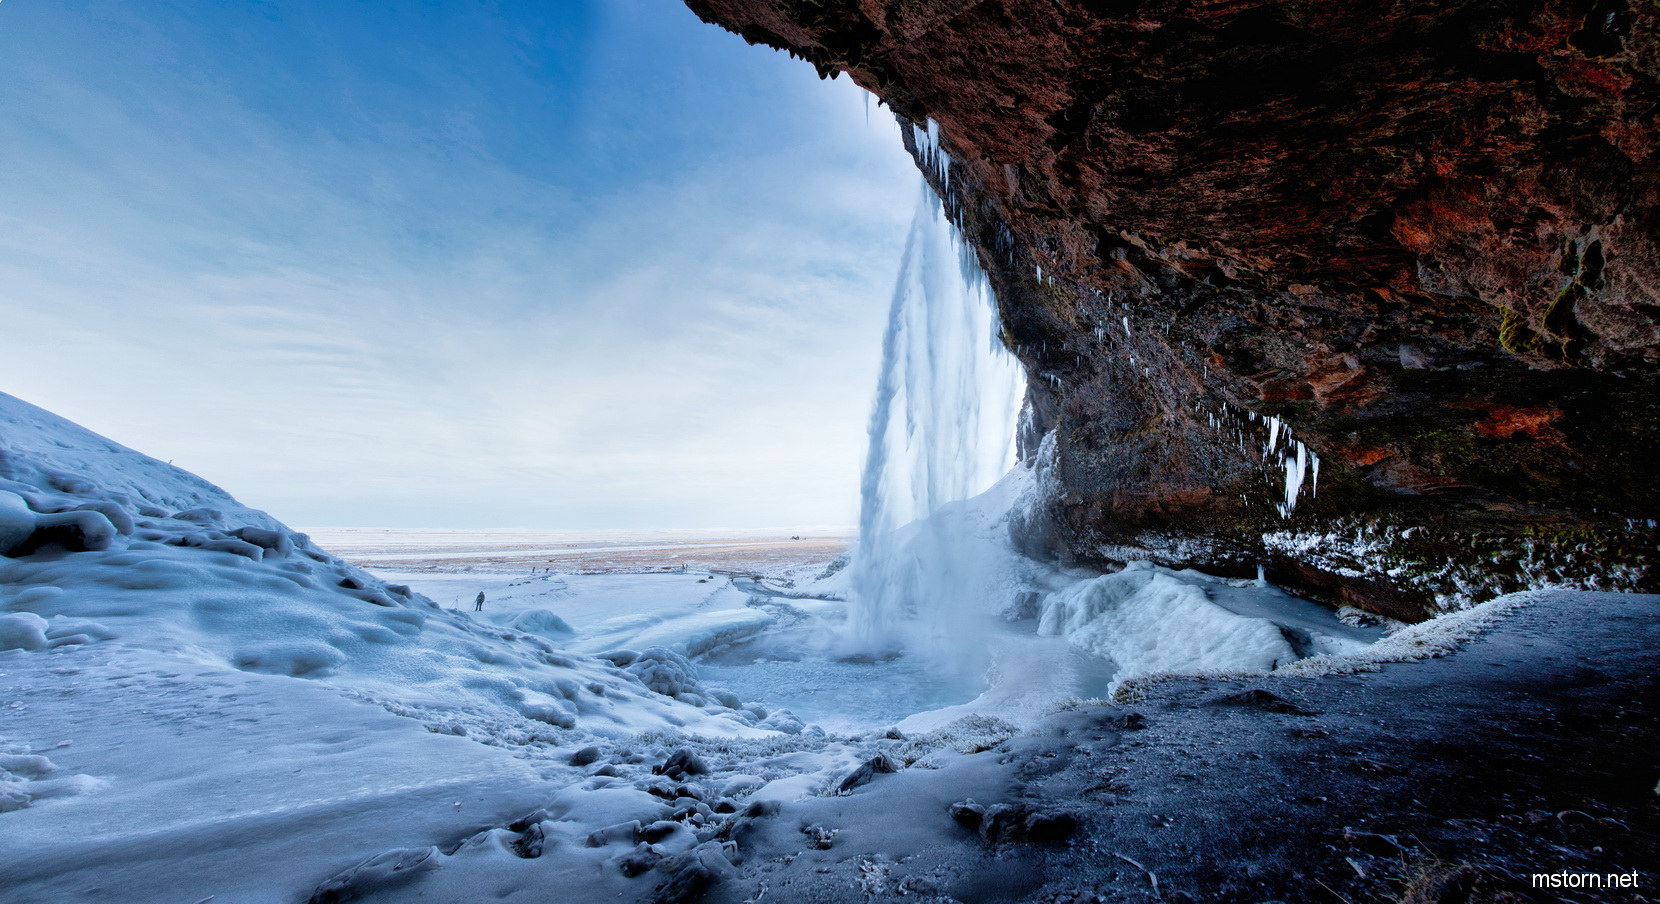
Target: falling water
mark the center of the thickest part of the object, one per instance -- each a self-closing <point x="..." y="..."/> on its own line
<point x="941" y="431"/>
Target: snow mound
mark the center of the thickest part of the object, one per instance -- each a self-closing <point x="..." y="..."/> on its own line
<point x="541" y="623"/>
<point x="103" y="543"/>
<point x="1147" y="620"/>
<point x="26" y="777"/>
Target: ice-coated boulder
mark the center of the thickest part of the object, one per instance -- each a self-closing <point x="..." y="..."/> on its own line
<point x="17" y="523"/>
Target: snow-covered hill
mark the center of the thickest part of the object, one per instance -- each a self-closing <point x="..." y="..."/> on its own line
<point x="114" y="546"/>
<point x="186" y="680"/>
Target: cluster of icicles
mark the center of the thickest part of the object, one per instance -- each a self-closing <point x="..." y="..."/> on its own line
<point x="1300" y="465"/>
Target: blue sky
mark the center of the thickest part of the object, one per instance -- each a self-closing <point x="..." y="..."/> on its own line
<point x="463" y="264"/>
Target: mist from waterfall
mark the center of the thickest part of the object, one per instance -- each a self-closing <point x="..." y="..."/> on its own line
<point x="941" y="431"/>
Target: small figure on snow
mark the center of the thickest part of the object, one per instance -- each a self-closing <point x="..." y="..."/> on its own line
<point x="478" y="604"/>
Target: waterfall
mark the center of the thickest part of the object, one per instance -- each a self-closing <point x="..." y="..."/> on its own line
<point x="941" y="431"/>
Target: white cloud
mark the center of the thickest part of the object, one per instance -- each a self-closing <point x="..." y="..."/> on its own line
<point x="421" y="334"/>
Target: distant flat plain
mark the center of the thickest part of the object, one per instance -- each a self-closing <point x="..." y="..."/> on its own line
<point x="753" y="551"/>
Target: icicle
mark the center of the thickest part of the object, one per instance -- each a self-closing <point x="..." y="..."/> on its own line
<point x="1295" y="468"/>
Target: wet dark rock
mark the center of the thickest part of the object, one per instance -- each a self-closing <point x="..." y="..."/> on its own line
<point x="682" y="764"/>
<point x="1016" y="822"/>
<point x="534" y="817"/>
<point x="657" y="831"/>
<point x="585" y="756"/>
<point x="531" y="841"/>
<point x="688" y="885"/>
<point x="880" y="764"/>
<point x="1256" y="698"/>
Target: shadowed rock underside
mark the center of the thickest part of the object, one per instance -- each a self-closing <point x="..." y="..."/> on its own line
<point x="1420" y="240"/>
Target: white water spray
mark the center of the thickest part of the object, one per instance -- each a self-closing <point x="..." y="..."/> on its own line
<point x="942" y="430"/>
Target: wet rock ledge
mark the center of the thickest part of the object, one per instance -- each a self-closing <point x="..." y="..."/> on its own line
<point x="1419" y="243"/>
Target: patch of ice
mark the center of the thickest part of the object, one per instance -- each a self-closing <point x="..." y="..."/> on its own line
<point x="1147" y="619"/>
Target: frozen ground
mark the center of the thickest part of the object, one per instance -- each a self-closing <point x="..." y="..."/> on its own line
<point x="200" y="704"/>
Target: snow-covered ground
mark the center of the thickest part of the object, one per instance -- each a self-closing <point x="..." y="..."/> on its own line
<point x="201" y="703"/>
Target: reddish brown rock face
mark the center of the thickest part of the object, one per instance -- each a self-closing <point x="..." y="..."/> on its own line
<point x="1425" y="235"/>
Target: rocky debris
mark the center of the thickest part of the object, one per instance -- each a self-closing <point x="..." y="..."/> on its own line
<point x="681" y="764"/>
<point x="1014" y="822"/>
<point x="822" y="839"/>
<point x="1416" y="242"/>
<point x="881" y="764"/>
<point x="1257" y="698"/>
<point x="585" y="756"/>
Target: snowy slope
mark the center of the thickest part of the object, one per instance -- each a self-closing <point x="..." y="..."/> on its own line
<point x="201" y="702"/>
<point x="165" y="561"/>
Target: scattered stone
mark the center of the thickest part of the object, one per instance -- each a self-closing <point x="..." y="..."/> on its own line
<point x="1372" y="842"/>
<point x="882" y="763"/>
<point x="585" y="756"/>
<point x="531" y="842"/>
<point x="1006" y="823"/>
<point x="639" y="861"/>
<point x="688" y="884"/>
<point x="534" y="817"/>
<point x="681" y="764"/>
<point x="822" y="838"/>
<point x="1258" y="698"/>
<point x="1127" y="722"/>
<point x="657" y="831"/>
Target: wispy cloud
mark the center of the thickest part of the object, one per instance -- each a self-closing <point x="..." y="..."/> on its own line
<point x="605" y="268"/>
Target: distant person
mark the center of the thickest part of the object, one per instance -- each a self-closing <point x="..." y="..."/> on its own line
<point x="478" y="604"/>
